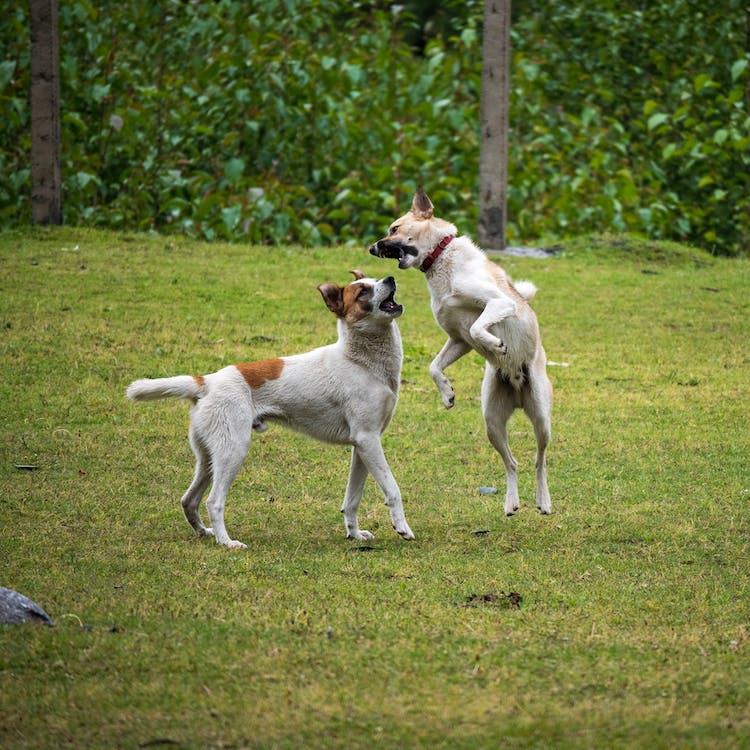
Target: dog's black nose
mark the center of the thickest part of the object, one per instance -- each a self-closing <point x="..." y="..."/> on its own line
<point x="389" y="280"/>
<point x="374" y="250"/>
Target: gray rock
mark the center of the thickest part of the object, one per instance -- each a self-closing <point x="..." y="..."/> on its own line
<point x="16" y="608"/>
<point x="531" y="252"/>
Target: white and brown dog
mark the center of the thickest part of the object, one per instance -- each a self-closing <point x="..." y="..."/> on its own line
<point x="478" y="306"/>
<point x="342" y="393"/>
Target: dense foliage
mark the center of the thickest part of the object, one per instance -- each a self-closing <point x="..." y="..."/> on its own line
<point x="279" y="122"/>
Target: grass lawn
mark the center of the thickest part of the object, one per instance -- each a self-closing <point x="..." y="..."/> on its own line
<point x="622" y="620"/>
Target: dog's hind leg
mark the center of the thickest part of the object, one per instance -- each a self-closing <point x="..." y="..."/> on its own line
<point x="191" y="500"/>
<point x="538" y="406"/>
<point x="371" y="452"/>
<point x="354" y="488"/>
<point x="498" y="404"/>
<point x="543" y="501"/>
<point x="226" y="431"/>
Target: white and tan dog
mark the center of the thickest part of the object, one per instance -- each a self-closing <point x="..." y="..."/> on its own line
<point x="343" y="393"/>
<point x="478" y="306"/>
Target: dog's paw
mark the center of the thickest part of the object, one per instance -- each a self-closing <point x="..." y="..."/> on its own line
<point x="511" y="506"/>
<point x="361" y="535"/>
<point x="445" y="389"/>
<point x="404" y="531"/>
<point x="234" y="544"/>
<point x="543" y="502"/>
<point x="205" y="531"/>
<point x="449" y="398"/>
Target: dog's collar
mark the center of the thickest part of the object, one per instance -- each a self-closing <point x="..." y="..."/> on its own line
<point x="435" y="254"/>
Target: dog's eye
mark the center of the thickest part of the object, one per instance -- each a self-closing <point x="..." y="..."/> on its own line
<point x="393" y="230"/>
<point x="363" y="292"/>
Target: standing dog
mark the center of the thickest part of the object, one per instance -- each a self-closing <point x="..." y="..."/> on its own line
<point x="343" y="393"/>
<point x="478" y="306"/>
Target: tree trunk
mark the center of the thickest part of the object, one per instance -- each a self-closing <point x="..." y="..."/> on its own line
<point x="46" y="182"/>
<point x="493" y="150"/>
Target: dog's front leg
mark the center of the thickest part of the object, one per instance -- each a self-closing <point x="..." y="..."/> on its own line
<point x="453" y="350"/>
<point x="371" y="452"/>
<point x="495" y="311"/>
<point x="354" y="488"/>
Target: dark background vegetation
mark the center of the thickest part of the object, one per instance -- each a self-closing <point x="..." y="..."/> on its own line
<point x="312" y="122"/>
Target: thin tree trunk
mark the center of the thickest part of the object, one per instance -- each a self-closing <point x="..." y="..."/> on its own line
<point x="46" y="182"/>
<point x="746" y="238"/>
<point x="493" y="151"/>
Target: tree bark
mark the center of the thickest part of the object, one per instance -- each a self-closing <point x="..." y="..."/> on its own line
<point x="46" y="181"/>
<point x="493" y="150"/>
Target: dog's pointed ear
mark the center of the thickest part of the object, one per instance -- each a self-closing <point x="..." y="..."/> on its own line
<point x="333" y="296"/>
<point x="421" y="206"/>
<point x="357" y="274"/>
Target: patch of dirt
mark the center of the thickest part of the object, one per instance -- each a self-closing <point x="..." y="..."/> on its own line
<point x="511" y="600"/>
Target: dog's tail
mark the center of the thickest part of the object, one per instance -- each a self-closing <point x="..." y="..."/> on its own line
<point x="180" y="386"/>
<point x="526" y="289"/>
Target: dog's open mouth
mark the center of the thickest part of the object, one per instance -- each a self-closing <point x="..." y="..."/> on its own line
<point x="393" y="249"/>
<point x="390" y="306"/>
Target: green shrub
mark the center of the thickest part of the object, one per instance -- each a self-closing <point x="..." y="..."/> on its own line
<point x="313" y="122"/>
<point x="634" y="117"/>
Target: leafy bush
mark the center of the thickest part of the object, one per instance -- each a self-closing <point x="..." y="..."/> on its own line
<point x="633" y="116"/>
<point x="313" y="122"/>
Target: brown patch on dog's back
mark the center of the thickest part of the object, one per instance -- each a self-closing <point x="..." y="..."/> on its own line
<point x="200" y="380"/>
<point x="257" y="373"/>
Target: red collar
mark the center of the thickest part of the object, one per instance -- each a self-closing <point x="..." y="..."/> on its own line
<point x="435" y="254"/>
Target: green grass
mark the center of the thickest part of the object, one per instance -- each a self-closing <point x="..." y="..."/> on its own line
<point x="633" y="627"/>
